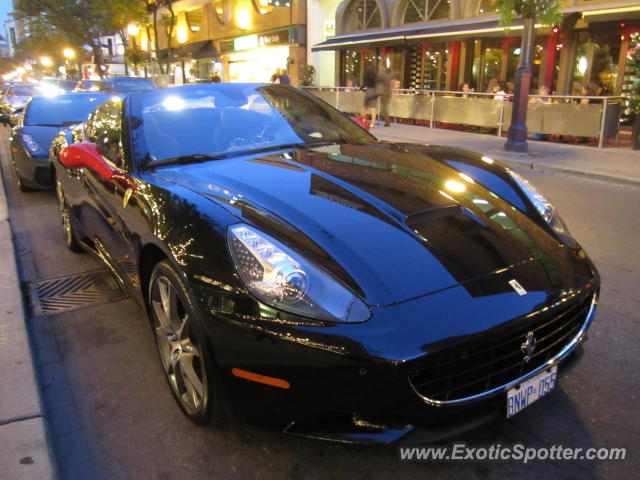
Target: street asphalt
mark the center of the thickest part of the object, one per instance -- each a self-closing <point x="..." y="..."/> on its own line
<point x="108" y="413"/>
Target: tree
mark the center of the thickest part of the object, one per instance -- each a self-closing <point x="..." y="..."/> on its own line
<point x="633" y="70"/>
<point x="121" y="13"/>
<point x="545" y="12"/>
<point x="81" y="21"/>
<point x="155" y="9"/>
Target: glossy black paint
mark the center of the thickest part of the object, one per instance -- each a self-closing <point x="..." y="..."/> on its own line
<point x="33" y="167"/>
<point x="432" y="264"/>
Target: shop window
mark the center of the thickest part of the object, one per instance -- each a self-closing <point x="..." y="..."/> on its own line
<point x="355" y="64"/>
<point x="222" y="9"/>
<point x="194" y="19"/>
<point x="350" y="71"/>
<point x="362" y="15"/>
<point x="595" y="68"/>
<point x="265" y="6"/>
<point x="487" y="6"/>
<point x="425" y="10"/>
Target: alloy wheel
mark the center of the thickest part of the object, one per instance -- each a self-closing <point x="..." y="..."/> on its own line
<point x="179" y="351"/>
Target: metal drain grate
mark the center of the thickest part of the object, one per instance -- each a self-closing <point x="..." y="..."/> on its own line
<point x="70" y="292"/>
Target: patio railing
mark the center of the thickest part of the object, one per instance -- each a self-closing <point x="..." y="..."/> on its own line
<point x="569" y="115"/>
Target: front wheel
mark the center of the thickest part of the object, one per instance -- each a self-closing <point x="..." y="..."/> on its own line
<point x="181" y="343"/>
<point x="67" y="224"/>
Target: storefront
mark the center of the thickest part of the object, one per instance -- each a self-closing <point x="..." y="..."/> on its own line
<point x="256" y="57"/>
<point x="583" y="55"/>
<point x="192" y="62"/>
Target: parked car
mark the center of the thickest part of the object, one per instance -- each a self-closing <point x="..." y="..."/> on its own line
<point x="15" y="97"/>
<point x="121" y="85"/>
<point x="55" y="86"/>
<point x="299" y="273"/>
<point x="43" y="118"/>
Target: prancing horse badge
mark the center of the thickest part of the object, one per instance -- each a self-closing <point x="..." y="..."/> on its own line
<point x="517" y="287"/>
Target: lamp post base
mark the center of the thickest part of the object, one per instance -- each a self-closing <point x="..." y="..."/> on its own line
<point x="517" y="139"/>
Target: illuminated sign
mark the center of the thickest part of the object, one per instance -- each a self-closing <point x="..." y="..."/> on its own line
<point x="274" y="38"/>
<point x="248" y="42"/>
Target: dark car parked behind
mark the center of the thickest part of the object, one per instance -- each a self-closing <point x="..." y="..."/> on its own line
<point x="43" y="118"/>
<point x="123" y="85"/>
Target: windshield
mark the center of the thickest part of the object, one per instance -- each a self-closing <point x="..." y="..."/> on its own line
<point x="219" y="119"/>
<point x="22" y="91"/>
<point x="129" y="84"/>
<point x="62" y="110"/>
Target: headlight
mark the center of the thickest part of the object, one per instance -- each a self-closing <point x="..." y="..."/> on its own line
<point x="543" y="206"/>
<point x="283" y="279"/>
<point x="32" y="145"/>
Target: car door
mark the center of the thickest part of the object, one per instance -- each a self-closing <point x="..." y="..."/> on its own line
<point x="105" y="199"/>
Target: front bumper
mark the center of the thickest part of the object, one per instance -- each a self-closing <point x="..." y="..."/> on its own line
<point x="343" y="392"/>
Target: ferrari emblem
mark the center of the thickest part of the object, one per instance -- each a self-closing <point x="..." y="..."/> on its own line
<point x="529" y="346"/>
<point x="517" y="287"/>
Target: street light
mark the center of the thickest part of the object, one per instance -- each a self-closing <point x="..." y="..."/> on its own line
<point x="69" y="53"/>
<point x="133" y="29"/>
<point x="46" y="61"/>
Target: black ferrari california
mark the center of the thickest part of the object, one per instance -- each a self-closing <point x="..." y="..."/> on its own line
<point x="299" y="273"/>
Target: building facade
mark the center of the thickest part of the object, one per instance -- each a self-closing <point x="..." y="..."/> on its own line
<point x="242" y="40"/>
<point x="440" y="44"/>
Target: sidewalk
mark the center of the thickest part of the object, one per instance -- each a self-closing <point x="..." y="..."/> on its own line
<point x="621" y="165"/>
<point x="24" y="449"/>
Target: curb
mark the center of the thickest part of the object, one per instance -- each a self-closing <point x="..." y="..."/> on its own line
<point x="25" y="452"/>
<point x="531" y="164"/>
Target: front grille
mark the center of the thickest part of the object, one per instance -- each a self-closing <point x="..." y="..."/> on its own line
<point x="477" y="367"/>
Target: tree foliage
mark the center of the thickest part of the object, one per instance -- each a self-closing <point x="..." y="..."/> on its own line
<point x="633" y="69"/>
<point x="81" y="21"/>
<point x="546" y="12"/>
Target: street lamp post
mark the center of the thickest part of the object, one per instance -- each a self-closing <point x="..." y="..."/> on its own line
<point x="517" y="138"/>
<point x="69" y="54"/>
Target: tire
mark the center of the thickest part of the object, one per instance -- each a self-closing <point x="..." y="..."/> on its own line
<point x="21" y="185"/>
<point x="70" y="237"/>
<point x="184" y="352"/>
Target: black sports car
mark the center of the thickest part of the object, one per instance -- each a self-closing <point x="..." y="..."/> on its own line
<point x="43" y="118"/>
<point x="299" y="273"/>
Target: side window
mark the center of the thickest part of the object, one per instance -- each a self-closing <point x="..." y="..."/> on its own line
<point x="103" y="129"/>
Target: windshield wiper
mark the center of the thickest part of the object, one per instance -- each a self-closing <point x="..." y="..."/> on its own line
<point x="285" y="146"/>
<point x="201" y="157"/>
<point x="193" y="158"/>
<point x="66" y="123"/>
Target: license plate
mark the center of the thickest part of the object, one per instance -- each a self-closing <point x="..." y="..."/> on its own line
<point x="530" y="390"/>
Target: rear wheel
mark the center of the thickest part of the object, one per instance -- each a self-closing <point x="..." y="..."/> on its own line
<point x="21" y="185"/>
<point x="182" y="345"/>
<point x="67" y="225"/>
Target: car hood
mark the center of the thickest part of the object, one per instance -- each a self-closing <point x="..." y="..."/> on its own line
<point x="393" y="221"/>
<point x="43" y="135"/>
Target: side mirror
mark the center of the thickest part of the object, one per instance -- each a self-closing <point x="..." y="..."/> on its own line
<point x="87" y="155"/>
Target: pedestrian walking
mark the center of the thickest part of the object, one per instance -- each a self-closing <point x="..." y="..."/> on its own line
<point x="284" y="78"/>
<point x="370" y="96"/>
<point x="383" y="89"/>
<point x="275" y="78"/>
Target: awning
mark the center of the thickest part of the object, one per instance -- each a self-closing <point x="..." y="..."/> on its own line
<point x="203" y="49"/>
<point x="453" y="30"/>
<point x="388" y="37"/>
